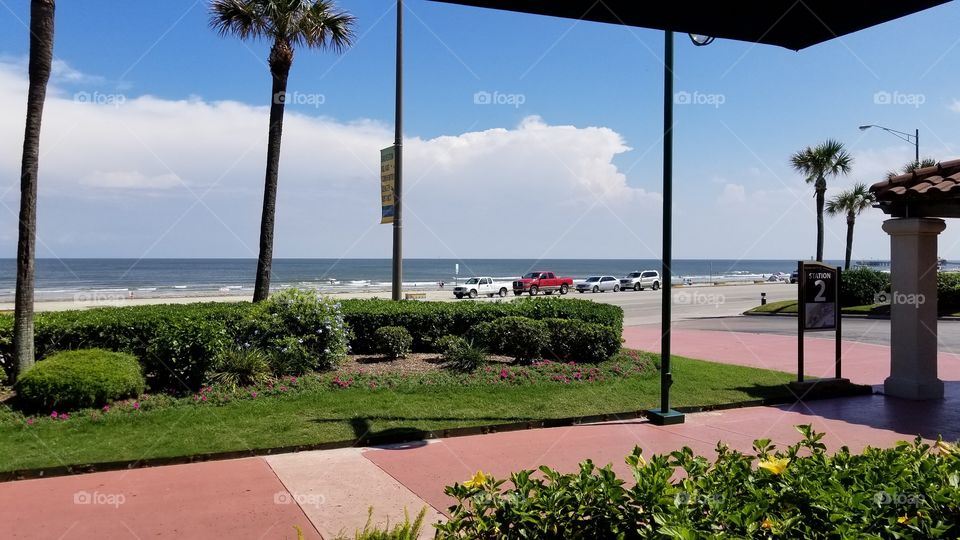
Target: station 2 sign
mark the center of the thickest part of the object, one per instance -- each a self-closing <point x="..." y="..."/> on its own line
<point x="818" y="296"/>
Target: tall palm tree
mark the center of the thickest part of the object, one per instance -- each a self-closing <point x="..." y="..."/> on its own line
<point x="851" y="202"/>
<point x="315" y="24"/>
<point x="829" y="158"/>
<point x="41" y="60"/>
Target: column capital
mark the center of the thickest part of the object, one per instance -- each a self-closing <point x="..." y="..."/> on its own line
<point x="914" y="226"/>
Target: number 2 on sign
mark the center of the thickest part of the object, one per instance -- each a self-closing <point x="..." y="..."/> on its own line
<point x="822" y="288"/>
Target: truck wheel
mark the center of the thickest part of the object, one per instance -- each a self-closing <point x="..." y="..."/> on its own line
<point x="459" y="296"/>
<point x="503" y="292"/>
<point x="656" y="285"/>
<point x="517" y="293"/>
<point x="534" y="290"/>
<point x="637" y="287"/>
<point x="596" y="289"/>
<point x="616" y="288"/>
<point x="473" y="293"/>
<point x="563" y="289"/>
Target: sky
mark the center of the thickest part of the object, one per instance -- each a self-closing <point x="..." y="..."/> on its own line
<point x="525" y="137"/>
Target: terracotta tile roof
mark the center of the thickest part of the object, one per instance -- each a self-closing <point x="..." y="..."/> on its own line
<point x="936" y="184"/>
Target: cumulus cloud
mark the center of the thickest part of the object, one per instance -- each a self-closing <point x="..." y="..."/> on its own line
<point x="955" y="106"/>
<point x="125" y="175"/>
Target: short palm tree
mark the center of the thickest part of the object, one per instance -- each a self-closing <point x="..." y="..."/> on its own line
<point x="913" y="165"/>
<point x="314" y="24"/>
<point x="829" y="158"/>
<point x="851" y="202"/>
<point x="41" y="61"/>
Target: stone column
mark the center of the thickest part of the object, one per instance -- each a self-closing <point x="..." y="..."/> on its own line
<point x="913" y="308"/>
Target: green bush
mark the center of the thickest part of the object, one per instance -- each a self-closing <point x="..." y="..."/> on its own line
<point x="393" y="341"/>
<point x="430" y="321"/>
<point x="408" y="530"/>
<point x="859" y="286"/>
<point x="304" y="331"/>
<point x="240" y="367"/>
<point x="910" y="491"/>
<point x="948" y="291"/>
<point x="77" y="379"/>
<point x="517" y="337"/>
<point x="579" y="341"/>
<point x="460" y="354"/>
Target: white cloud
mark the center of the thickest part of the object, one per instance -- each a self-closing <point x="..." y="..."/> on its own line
<point x="732" y="194"/>
<point x="532" y="190"/>
<point x="955" y="106"/>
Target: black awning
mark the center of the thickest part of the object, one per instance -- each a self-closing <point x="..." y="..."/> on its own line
<point x="793" y="24"/>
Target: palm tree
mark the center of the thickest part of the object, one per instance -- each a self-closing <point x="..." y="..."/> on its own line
<point x="41" y="59"/>
<point x="287" y="24"/>
<point x="829" y="158"/>
<point x="912" y="166"/>
<point x="851" y="202"/>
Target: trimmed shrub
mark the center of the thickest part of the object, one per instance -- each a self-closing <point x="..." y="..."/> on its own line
<point x="304" y="331"/>
<point x="77" y="379"/>
<point x="579" y="341"/>
<point x="948" y="291"/>
<point x="859" y="286"/>
<point x="240" y="367"/>
<point x="393" y="341"/>
<point x="517" y="337"/>
<point x="460" y="354"/>
<point x="909" y="491"/>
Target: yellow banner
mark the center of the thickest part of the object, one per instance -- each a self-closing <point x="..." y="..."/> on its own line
<point x="388" y="169"/>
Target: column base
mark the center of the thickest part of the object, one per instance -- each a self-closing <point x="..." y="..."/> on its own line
<point x="660" y="418"/>
<point x="910" y="389"/>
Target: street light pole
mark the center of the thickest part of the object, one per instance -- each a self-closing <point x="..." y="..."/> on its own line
<point x="397" y="284"/>
<point x="915" y="136"/>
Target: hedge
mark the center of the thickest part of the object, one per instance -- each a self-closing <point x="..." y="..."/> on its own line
<point x="78" y="379"/>
<point x="177" y="342"/>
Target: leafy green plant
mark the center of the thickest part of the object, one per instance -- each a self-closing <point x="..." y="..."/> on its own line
<point x="76" y="379"/>
<point x="303" y="330"/>
<point x="579" y="341"/>
<point x="460" y="355"/>
<point x="518" y="337"/>
<point x="241" y="367"/>
<point x="408" y="530"/>
<point x="909" y="491"/>
<point x="393" y="341"/>
<point x="860" y="286"/>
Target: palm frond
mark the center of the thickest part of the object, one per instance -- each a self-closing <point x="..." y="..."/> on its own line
<point x="309" y="23"/>
<point x="242" y="18"/>
<point x="852" y="201"/>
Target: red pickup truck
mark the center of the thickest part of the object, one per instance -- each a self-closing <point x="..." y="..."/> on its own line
<point x="535" y="282"/>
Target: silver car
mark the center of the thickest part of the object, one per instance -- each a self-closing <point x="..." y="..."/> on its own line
<point x="599" y="284"/>
<point x="639" y="281"/>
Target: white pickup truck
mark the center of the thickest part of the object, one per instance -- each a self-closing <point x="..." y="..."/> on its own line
<point x="475" y="286"/>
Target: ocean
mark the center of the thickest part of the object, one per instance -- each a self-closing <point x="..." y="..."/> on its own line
<point x="92" y="279"/>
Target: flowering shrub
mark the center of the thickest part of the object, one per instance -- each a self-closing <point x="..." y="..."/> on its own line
<point x="304" y="331"/>
<point x="909" y="491"/>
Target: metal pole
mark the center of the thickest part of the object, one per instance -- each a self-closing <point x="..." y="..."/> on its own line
<point x="398" y="180"/>
<point x="839" y="336"/>
<point x="801" y="308"/>
<point x="665" y="415"/>
<point x="916" y="144"/>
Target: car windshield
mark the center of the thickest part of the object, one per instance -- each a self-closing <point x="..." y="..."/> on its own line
<point x="473" y="281"/>
<point x="592" y="279"/>
<point x="532" y="275"/>
<point x="633" y="274"/>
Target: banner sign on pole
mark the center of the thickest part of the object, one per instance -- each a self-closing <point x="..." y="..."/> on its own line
<point x="387" y="177"/>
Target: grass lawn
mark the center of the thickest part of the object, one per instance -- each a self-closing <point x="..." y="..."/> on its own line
<point x="327" y="414"/>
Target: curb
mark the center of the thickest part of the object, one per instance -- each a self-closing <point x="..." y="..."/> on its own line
<point x="845" y="316"/>
<point x="49" y="472"/>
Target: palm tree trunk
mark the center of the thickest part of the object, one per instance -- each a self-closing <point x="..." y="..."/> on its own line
<point x="281" y="57"/>
<point x="851" y="219"/>
<point x="41" y="59"/>
<point x="821" y="189"/>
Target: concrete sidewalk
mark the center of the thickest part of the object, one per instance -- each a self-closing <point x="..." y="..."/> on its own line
<point x="327" y="493"/>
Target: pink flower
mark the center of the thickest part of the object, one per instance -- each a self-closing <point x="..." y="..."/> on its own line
<point x="283" y="388"/>
<point x="64" y="416"/>
<point x="136" y="405"/>
<point x="204" y="398"/>
<point x="253" y="395"/>
<point x="53" y="415"/>
<point x="106" y="408"/>
<point x="29" y="421"/>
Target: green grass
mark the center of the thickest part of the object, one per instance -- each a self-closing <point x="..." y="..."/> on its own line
<point x="329" y="415"/>
<point x="789" y="307"/>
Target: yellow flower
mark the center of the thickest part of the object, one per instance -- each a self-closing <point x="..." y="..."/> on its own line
<point x="946" y="448"/>
<point x="903" y="519"/>
<point x="478" y="480"/>
<point x="767" y="524"/>
<point x="775" y="466"/>
<point x="641" y="462"/>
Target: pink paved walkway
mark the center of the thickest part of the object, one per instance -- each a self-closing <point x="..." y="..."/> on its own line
<point x="863" y="363"/>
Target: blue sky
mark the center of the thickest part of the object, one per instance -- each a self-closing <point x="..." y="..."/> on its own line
<point x="736" y="196"/>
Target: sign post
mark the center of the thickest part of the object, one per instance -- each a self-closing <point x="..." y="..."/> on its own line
<point x="818" y="307"/>
<point x="388" y="168"/>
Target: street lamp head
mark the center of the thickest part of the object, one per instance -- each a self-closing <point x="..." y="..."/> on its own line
<point x="701" y="40"/>
<point x="862" y="128"/>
